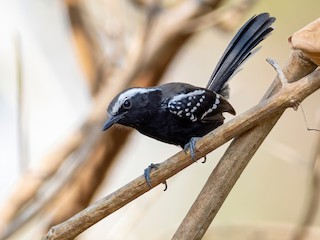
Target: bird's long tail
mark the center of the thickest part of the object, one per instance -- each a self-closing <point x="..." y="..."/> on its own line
<point x="240" y="48"/>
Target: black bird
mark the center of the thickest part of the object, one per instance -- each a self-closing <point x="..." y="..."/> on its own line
<point x="180" y="113"/>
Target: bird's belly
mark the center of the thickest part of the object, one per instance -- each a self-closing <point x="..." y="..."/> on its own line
<point x="176" y="131"/>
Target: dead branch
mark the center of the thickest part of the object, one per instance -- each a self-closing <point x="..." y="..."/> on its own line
<point x="289" y="94"/>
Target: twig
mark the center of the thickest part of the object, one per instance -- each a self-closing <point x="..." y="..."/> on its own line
<point x="232" y="164"/>
<point x="306" y="122"/>
<point x="270" y="107"/>
<point x="276" y="67"/>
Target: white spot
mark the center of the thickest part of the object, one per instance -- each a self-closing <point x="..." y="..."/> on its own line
<point x="193" y="118"/>
<point x="193" y="109"/>
<point x="217" y="101"/>
<point x="188" y="114"/>
<point x="189" y="104"/>
<point x="180" y="113"/>
<point x="198" y="104"/>
<point x="178" y="107"/>
<point x="214" y="106"/>
<point x="203" y="96"/>
<point x="187" y="110"/>
<point x="190" y="98"/>
<point x="200" y="100"/>
<point x="130" y="93"/>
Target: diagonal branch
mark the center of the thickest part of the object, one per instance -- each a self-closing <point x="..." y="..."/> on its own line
<point x="289" y="94"/>
<point x="232" y="164"/>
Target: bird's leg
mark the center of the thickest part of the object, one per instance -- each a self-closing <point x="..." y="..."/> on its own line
<point x="147" y="172"/>
<point x="191" y="145"/>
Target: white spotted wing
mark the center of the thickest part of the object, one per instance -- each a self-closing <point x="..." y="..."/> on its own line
<point x="195" y="105"/>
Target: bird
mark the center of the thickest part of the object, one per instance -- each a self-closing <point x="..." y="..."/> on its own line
<point x="180" y="113"/>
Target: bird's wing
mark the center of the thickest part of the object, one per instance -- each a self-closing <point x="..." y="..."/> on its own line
<point x="198" y="105"/>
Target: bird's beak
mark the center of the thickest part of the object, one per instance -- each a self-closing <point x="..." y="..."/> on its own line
<point x="112" y="120"/>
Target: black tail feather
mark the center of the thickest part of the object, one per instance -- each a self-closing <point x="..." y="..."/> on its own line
<point x="248" y="37"/>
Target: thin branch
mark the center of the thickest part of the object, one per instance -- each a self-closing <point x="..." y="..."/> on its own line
<point x="232" y="164"/>
<point x="276" y="67"/>
<point x="306" y="122"/>
<point x="297" y="91"/>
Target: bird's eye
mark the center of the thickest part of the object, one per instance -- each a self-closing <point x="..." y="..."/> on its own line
<point x="127" y="104"/>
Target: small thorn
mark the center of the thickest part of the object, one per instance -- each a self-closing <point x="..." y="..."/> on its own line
<point x="276" y="67"/>
<point x="204" y="159"/>
<point x="294" y="104"/>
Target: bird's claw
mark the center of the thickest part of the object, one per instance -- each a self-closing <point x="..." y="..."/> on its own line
<point x="191" y="145"/>
<point x="147" y="172"/>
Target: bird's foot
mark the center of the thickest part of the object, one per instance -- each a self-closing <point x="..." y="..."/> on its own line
<point x="191" y="145"/>
<point x="147" y="172"/>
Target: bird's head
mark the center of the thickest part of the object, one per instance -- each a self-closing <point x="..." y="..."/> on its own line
<point x="132" y="107"/>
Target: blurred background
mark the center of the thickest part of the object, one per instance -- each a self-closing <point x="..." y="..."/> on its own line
<point x="62" y="62"/>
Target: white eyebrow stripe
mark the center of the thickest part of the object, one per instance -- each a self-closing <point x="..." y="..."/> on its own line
<point x="127" y="95"/>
